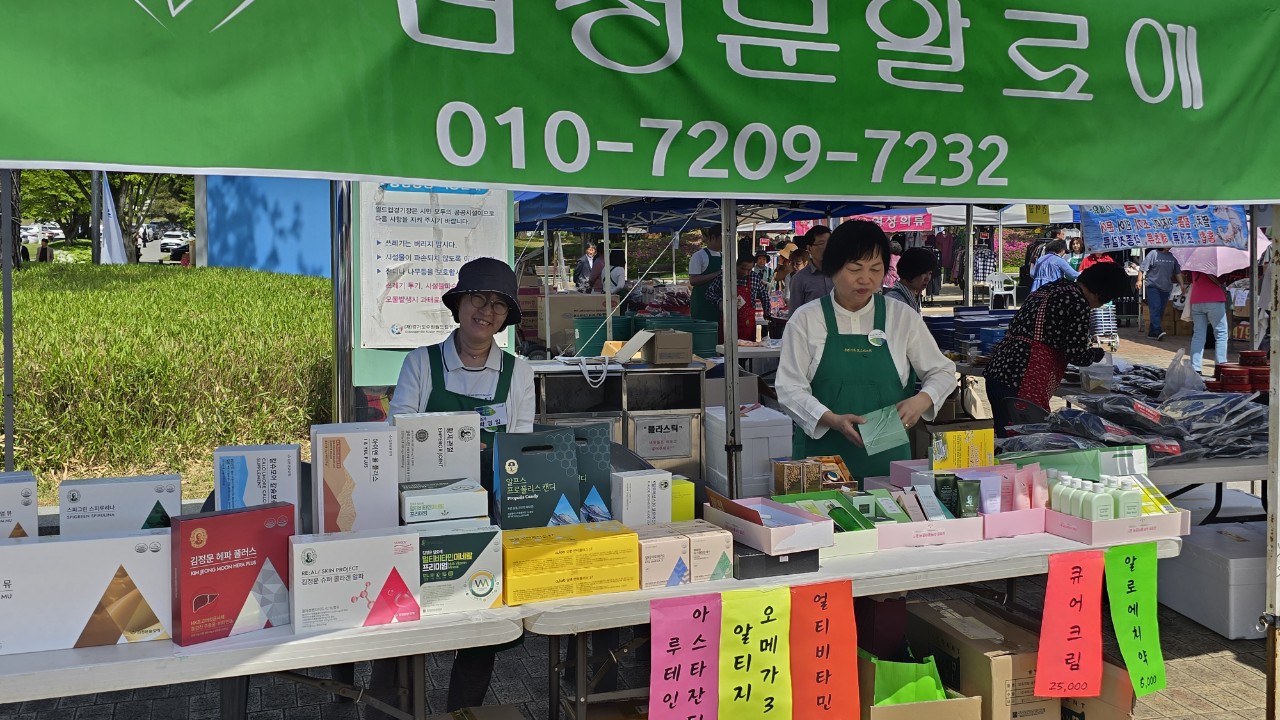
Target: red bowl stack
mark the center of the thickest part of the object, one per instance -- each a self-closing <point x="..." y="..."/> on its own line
<point x="1258" y="364"/>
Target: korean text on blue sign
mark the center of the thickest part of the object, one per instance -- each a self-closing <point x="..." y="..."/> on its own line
<point x="1118" y="227"/>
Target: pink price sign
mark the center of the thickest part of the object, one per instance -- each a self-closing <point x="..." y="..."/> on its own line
<point x="900" y="222"/>
<point x="684" y="677"/>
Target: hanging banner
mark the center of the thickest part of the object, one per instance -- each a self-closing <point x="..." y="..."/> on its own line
<point x="755" y="654"/>
<point x="663" y="97"/>
<point x="413" y="240"/>
<point x="684" y="670"/>
<point x="1119" y="227"/>
<point x="899" y="222"/>
<point x="1131" y="587"/>
<point x="1069" y="662"/>
<point x="824" y="652"/>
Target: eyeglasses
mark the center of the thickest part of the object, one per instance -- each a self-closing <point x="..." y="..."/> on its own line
<point x="479" y="301"/>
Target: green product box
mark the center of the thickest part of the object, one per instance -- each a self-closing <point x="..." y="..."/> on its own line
<point x="461" y="570"/>
<point x="536" y="482"/>
<point x="594" y="465"/>
<point x="890" y="507"/>
<point x="829" y="503"/>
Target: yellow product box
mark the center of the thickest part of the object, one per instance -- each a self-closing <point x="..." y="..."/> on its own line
<point x="959" y="446"/>
<point x="579" y="582"/>
<point x="682" y="498"/>
<point x="537" y="551"/>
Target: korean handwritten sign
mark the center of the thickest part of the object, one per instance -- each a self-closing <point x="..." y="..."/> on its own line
<point x="824" y="652"/>
<point x="684" y="674"/>
<point x="1131" y="587"/>
<point x="755" y="654"/>
<point x="1116" y="227"/>
<point x="1038" y="214"/>
<point x="1069" y="663"/>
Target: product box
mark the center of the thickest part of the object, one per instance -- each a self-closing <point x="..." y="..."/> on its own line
<point x="584" y="582"/>
<point x="668" y="347"/>
<point x="19" y="505"/>
<point x="1088" y="464"/>
<point x="471" y="523"/>
<point x="929" y="532"/>
<point x="854" y="533"/>
<point x="460" y="570"/>
<point x="595" y="462"/>
<point x="750" y="563"/>
<point x="1219" y="579"/>
<point x="438" y="446"/>
<point x="564" y="308"/>
<point x="442" y="500"/>
<point x="900" y="471"/>
<point x="955" y="446"/>
<point x="710" y="550"/>
<point x="664" y="557"/>
<point x="230" y="571"/>
<point x="768" y="526"/>
<point x="683" y="498"/>
<point x="791" y="477"/>
<point x="953" y="708"/>
<point x="536" y="481"/>
<point x="118" y="505"/>
<point x="1115" y="703"/>
<point x="641" y="497"/>
<point x="1014" y="523"/>
<point x="536" y="551"/>
<point x="980" y="655"/>
<point x="354" y="477"/>
<point x="249" y="475"/>
<point x="355" y="579"/>
<point x="107" y="590"/>
<point x="1120" y="531"/>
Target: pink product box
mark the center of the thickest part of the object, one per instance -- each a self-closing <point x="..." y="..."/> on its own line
<point x="881" y="483"/>
<point x="1007" y="473"/>
<point x="930" y="532"/>
<point x="900" y="472"/>
<point x="770" y="527"/>
<point x="1012" y="524"/>
<point x="1102" y="533"/>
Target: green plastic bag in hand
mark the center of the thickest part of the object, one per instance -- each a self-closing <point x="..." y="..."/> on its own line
<point x="901" y="683"/>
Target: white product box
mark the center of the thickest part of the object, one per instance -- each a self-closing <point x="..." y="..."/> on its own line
<point x="19" y="505"/>
<point x="439" y="446"/>
<point x="770" y="527"/>
<point x="58" y="593"/>
<point x="460" y="570"/>
<point x="351" y="580"/>
<point x="764" y="433"/>
<point x="664" y="557"/>
<point x="1218" y="580"/>
<point x="641" y="497"/>
<point x="250" y="475"/>
<point x="354" y="477"/>
<point x="118" y="505"/>
<point x="442" y="500"/>
<point x="459" y="524"/>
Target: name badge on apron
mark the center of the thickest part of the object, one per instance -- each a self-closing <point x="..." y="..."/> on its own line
<point x="492" y="416"/>
<point x="876" y="338"/>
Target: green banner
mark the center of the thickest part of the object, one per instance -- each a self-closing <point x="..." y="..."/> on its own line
<point x="1168" y="100"/>
<point x="1131" y="586"/>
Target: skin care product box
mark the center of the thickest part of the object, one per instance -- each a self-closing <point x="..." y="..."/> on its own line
<point x="642" y="497"/>
<point x="460" y="570"/>
<point x="58" y="593"/>
<point x="442" y="500"/>
<point x="249" y="475"/>
<point x="118" y="505"/>
<point x="439" y="446"/>
<point x="19" y="505"/>
<point x="356" y="579"/>
<point x="664" y="557"/>
<point x="710" y="550"/>
<point x="354" y="477"/>
<point x="230" y="572"/>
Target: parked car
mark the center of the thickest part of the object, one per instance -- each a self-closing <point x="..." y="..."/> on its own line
<point x="31" y="233"/>
<point x="172" y="240"/>
<point x="53" y="232"/>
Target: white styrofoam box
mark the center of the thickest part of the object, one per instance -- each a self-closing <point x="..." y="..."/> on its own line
<point x="764" y="434"/>
<point x="58" y="593"/>
<point x="103" y="506"/>
<point x="439" y="446"/>
<point x="19" y="505"/>
<point x="354" y="477"/>
<point x="250" y="475"/>
<point x="1218" y="579"/>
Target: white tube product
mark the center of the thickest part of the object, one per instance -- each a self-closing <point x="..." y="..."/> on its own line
<point x="1056" y="501"/>
<point x="1097" y="505"/>
<point x="1128" y="500"/>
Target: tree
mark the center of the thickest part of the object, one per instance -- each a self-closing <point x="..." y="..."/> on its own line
<point x="54" y="195"/>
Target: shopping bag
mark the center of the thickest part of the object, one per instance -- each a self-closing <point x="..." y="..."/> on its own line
<point x="1186" y="312"/>
<point x="1181" y="376"/>
<point x="901" y="683"/>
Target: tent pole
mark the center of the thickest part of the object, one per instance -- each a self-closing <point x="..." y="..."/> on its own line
<point x="6" y="216"/>
<point x="604" y="284"/>
<point x="1273" y="502"/>
<point x="546" y="285"/>
<point x="1253" y="277"/>
<point x="343" y="294"/>
<point x="1000" y="241"/>
<point x="968" y="256"/>
<point x="729" y="317"/>
<point x="95" y="218"/>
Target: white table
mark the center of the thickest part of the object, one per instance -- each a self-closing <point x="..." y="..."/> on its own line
<point x="753" y="354"/>
<point x="1217" y="472"/>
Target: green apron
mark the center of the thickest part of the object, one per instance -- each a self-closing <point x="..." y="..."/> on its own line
<point x="442" y="400"/>
<point x="700" y="308"/>
<point x="854" y="377"/>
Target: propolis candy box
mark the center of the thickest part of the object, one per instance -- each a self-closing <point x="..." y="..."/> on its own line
<point x="536" y="479"/>
<point x="595" y="463"/>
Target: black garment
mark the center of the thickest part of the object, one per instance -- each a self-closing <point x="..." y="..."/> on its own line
<point x="44" y="254"/>
<point x="997" y="394"/>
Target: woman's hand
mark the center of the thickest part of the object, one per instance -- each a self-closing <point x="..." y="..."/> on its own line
<point x="911" y="409"/>
<point x="846" y="425"/>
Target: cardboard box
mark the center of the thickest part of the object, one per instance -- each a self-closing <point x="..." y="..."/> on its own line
<point x="955" y="446"/>
<point x="77" y="606"/>
<point x="564" y="308"/>
<point x="683" y="498"/>
<point x="536" y="551"/>
<point x="957" y="708"/>
<point x="1102" y="533"/>
<point x="584" y="582"/>
<point x="1115" y="703"/>
<point x="354" y="579"/>
<point x="230" y="570"/>
<point x="460" y="570"/>
<point x="1218" y="580"/>
<point x="980" y="655"/>
<point x="664" y="557"/>
<point x="668" y="347"/>
<point x="595" y="463"/>
<point x="354" y="477"/>
<point x="641" y="497"/>
<point x="249" y="475"/>
<point x="438" y="446"/>
<point x="748" y="390"/>
<point x="118" y="505"/>
<point x="536" y="479"/>
<point x="750" y="563"/>
<point x="442" y="500"/>
<point x="710" y="550"/>
<point x="19" y="505"/>
<point x="768" y="526"/>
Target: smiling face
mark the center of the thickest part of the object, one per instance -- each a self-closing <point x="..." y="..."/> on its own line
<point x="479" y="324"/>
<point x="858" y="280"/>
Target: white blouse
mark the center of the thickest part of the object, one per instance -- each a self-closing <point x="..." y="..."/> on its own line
<point x="414" y="386"/>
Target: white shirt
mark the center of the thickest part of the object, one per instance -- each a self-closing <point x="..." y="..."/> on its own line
<point x="414" y="386"/>
<point x="701" y="260"/>
<point x="617" y="279"/>
<point x="910" y="344"/>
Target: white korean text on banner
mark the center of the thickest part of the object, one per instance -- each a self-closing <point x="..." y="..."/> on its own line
<point x="1118" y="227"/>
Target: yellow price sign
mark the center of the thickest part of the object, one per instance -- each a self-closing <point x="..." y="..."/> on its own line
<point x="1038" y="214"/>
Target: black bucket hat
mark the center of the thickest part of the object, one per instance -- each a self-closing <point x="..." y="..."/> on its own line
<point x="486" y="275"/>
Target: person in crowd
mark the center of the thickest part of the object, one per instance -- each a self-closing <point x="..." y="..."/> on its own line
<point x="45" y="253"/>
<point x="811" y="283"/>
<point x="1157" y="274"/>
<point x="785" y="268"/>
<point x="588" y="271"/>
<point x="1208" y="309"/>
<point x="762" y="268"/>
<point x="895" y="252"/>
<point x="616" y="283"/>
<point x="1095" y="258"/>
<point x="1076" y="253"/>
<point x="1050" y="330"/>
<point x="705" y="266"/>
<point x="751" y="289"/>
<point x="853" y="352"/>
<point x="1052" y="266"/>
<point x="915" y="273"/>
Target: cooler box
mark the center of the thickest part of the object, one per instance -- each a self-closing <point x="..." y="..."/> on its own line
<point x="764" y="434"/>
<point x="1218" y="579"/>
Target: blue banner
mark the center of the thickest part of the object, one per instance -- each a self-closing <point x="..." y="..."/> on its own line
<point x="1119" y="227"/>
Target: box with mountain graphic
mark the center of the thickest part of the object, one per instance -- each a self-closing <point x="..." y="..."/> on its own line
<point x="664" y="557"/>
<point x="249" y="475"/>
<point x="595" y="462"/>
<point x="118" y="505"/>
<point x="354" y="475"/>
<point x="461" y="570"/>
<point x="536" y="479"/>
<point x="229" y="572"/>
<point x="19" y="505"/>
<point x="356" y="579"/>
<point x="58" y="593"/>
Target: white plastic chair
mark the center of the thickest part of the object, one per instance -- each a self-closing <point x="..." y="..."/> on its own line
<point x="1000" y="283"/>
